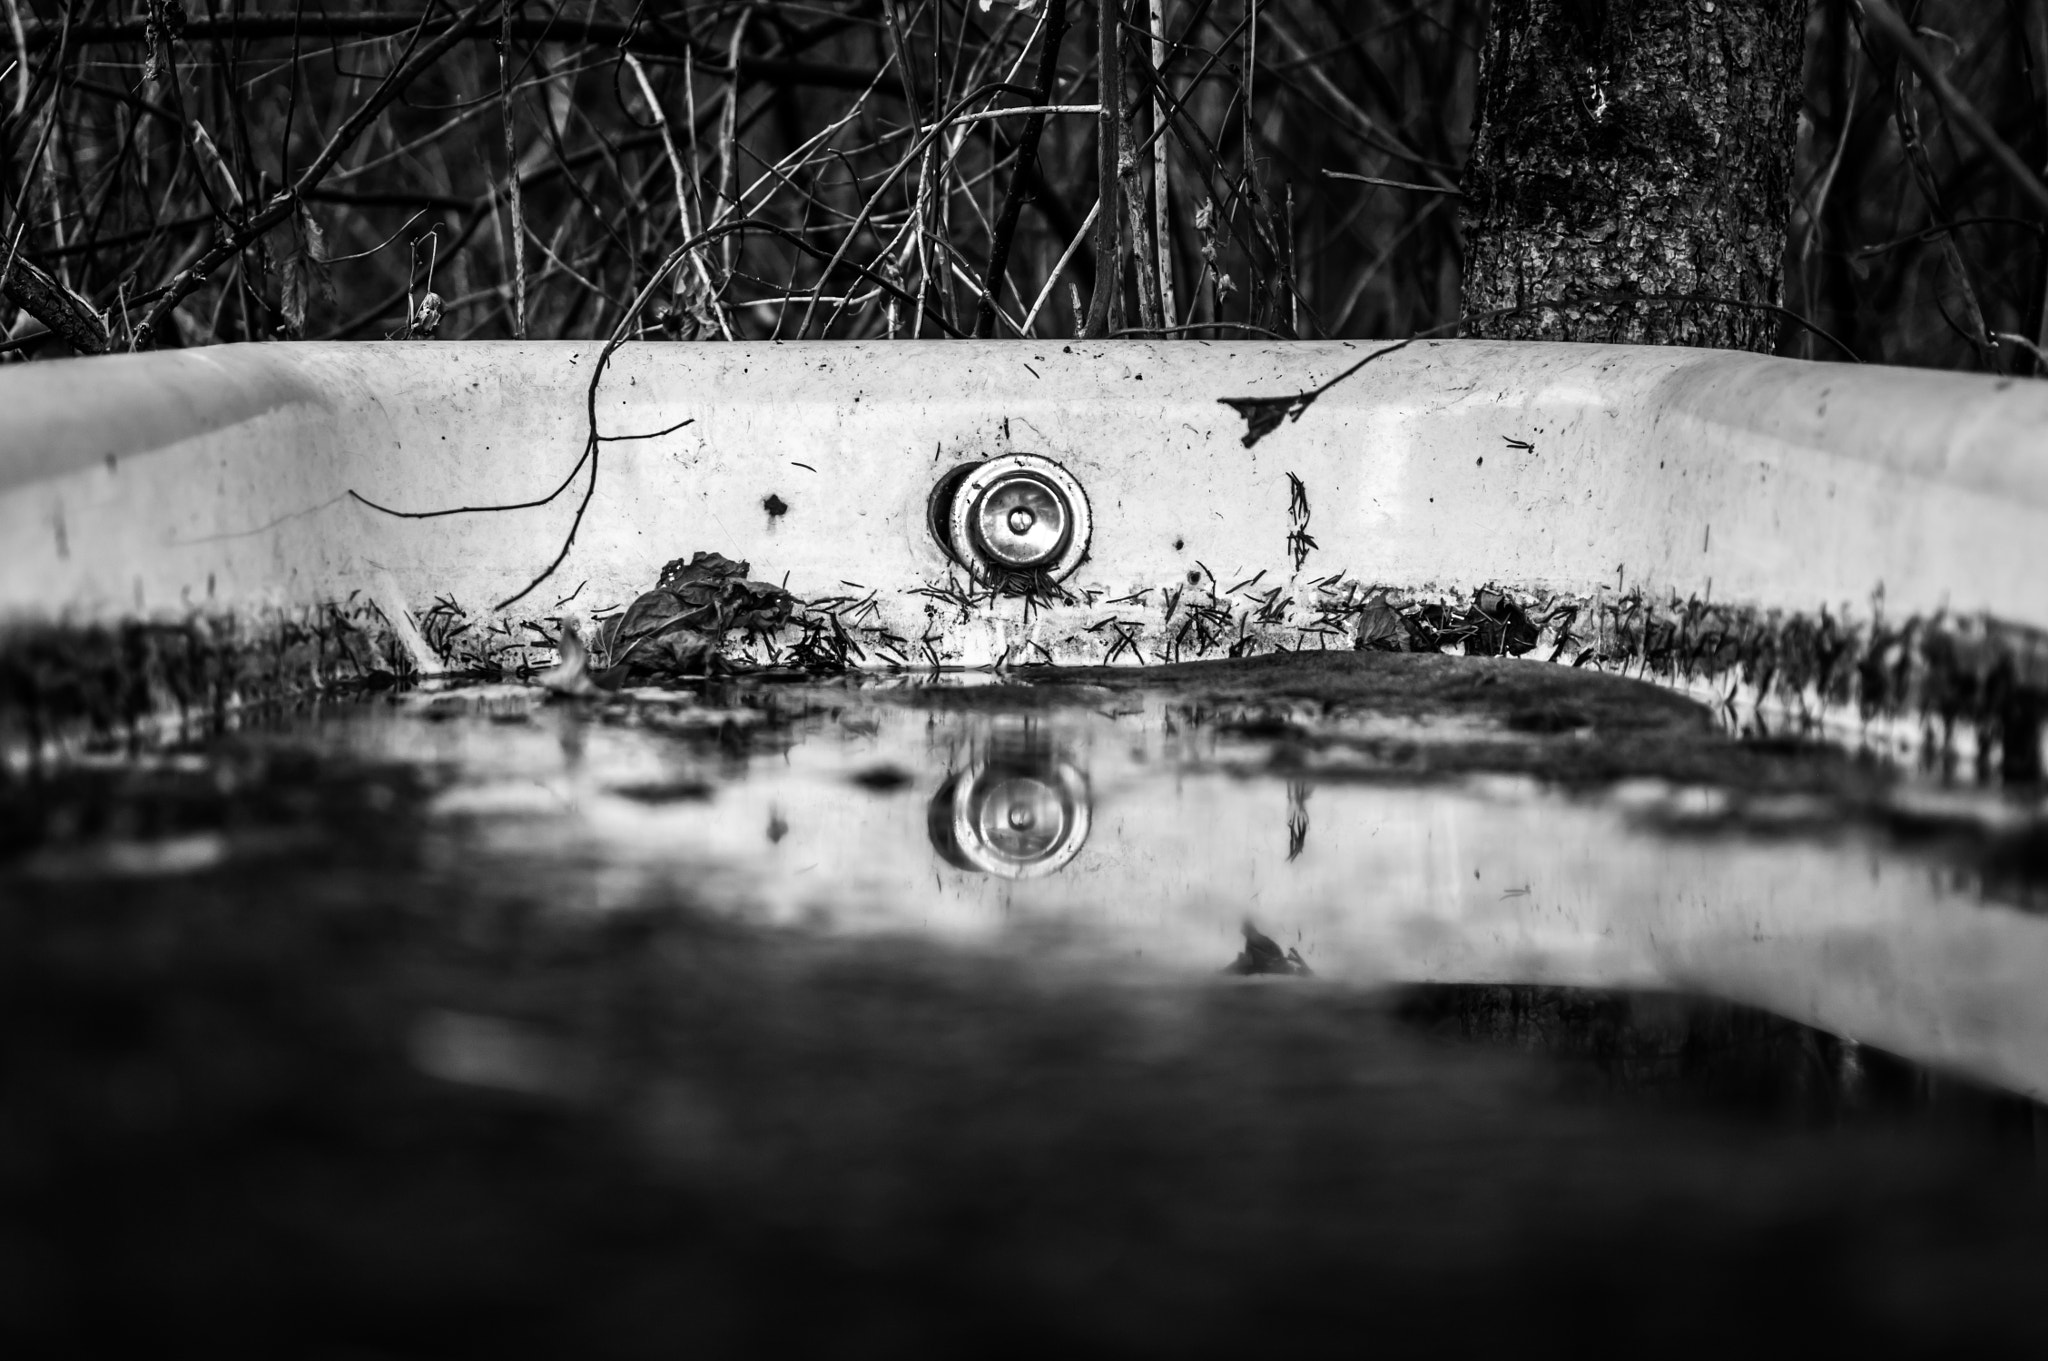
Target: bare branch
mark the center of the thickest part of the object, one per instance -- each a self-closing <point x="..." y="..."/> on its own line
<point x="68" y="316"/>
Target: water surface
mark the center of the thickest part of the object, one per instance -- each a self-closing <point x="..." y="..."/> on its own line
<point x="869" y="1018"/>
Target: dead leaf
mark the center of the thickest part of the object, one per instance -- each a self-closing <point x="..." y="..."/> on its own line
<point x="648" y="617"/>
<point x="679" y="628"/>
<point x="1263" y="415"/>
<point x="679" y="652"/>
<point x="1382" y="629"/>
<point x="291" y="294"/>
<point x="316" y="254"/>
<point x="712" y="567"/>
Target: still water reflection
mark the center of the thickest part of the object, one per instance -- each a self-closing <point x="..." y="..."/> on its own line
<point x="1020" y="809"/>
<point x="1148" y="831"/>
<point x="853" y="1020"/>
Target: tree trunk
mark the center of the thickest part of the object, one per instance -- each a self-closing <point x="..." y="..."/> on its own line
<point x="1634" y="147"/>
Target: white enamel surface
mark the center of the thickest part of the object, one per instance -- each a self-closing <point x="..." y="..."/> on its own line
<point x="154" y="483"/>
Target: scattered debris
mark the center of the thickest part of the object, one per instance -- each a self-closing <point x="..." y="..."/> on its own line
<point x="1931" y="679"/>
<point x="1299" y="542"/>
<point x="142" y="680"/>
<point x="1500" y="627"/>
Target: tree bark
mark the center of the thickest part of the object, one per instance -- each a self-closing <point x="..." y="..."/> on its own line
<point x="1634" y="146"/>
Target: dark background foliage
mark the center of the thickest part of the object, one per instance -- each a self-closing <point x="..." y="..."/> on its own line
<point x="147" y="147"/>
<point x="1908" y="240"/>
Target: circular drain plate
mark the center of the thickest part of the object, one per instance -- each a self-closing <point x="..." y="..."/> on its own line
<point x="1018" y="516"/>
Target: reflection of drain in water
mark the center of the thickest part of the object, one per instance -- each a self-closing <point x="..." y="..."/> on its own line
<point x="1019" y="814"/>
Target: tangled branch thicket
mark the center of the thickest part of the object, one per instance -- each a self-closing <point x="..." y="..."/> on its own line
<point x="182" y="175"/>
<point x="1918" y="221"/>
<point x="186" y="172"/>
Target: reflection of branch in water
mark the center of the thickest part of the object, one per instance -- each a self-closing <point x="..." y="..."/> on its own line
<point x="1297" y="817"/>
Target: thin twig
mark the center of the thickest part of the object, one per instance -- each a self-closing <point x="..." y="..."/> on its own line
<point x="1109" y="95"/>
<point x="994" y="275"/>
<point x="1887" y="21"/>
<point x="287" y="200"/>
<point x="1391" y="184"/>
<point x="512" y="176"/>
<point x="1059" y="268"/>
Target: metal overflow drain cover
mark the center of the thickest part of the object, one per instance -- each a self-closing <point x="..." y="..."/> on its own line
<point x="1020" y="516"/>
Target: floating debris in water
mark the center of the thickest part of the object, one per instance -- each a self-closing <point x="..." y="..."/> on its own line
<point x="571" y="676"/>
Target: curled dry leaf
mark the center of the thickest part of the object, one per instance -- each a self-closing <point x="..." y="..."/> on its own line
<point x="427" y="319"/>
<point x="291" y="294"/>
<point x="1382" y="629"/>
<point x="1263" y="415"/>
<point x="314" y="254"/>
<point x="679" y="628"/>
